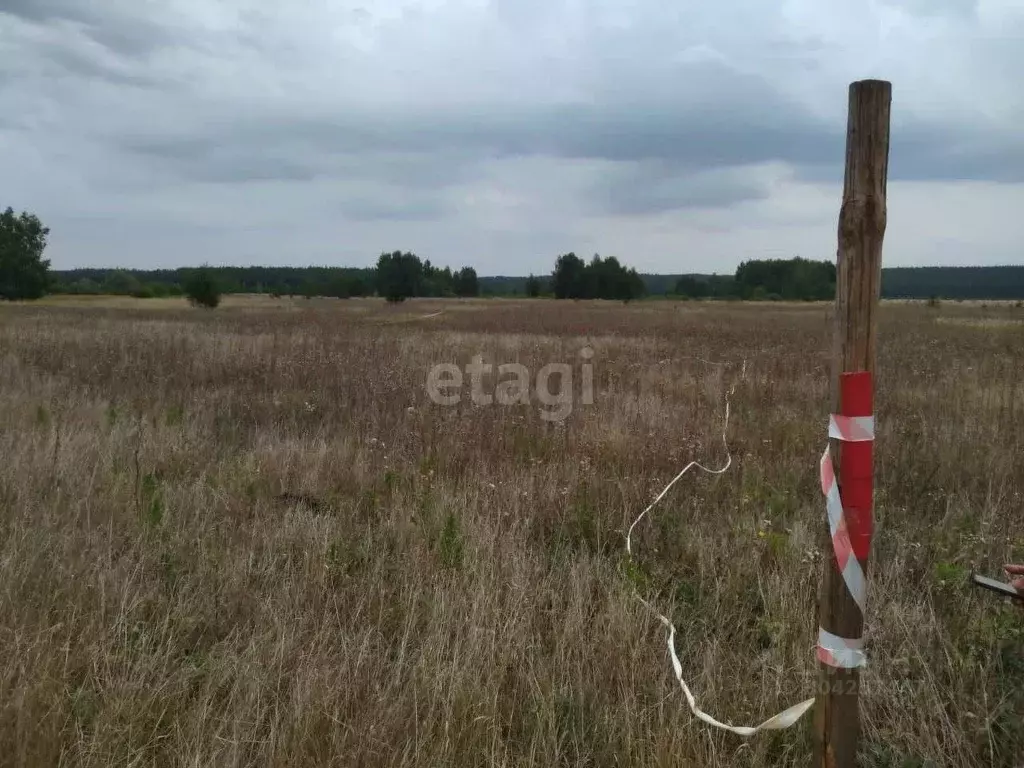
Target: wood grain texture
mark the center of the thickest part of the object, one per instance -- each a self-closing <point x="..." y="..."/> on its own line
<point x="862" y="220"/>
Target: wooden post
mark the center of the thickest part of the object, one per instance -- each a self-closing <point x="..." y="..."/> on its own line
<point x="862" y="221"/>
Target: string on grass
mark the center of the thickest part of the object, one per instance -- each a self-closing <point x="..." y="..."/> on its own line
<point x="787" y="717"/>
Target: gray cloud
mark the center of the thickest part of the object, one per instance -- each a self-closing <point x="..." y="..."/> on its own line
<point x="698" y="139"/>
<point x="929" y="153"/>
<point x="368" y="210"/>
<point x="963" y="8"/>
<point x="646" y="187"/>
<point x="45" y="10"/>
<point x="108" y="24"/>
<point x="922" y="152"/>
<point x="80" y="64"/>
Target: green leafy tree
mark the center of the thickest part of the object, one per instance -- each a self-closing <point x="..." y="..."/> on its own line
<point x="533" y="287"/>
<point x="465" y="282"/>
<point x="436" y="281"/>
<point x="400" y="275"/>
<point x="202" y="288"/>
<point x="600" y="279"/>
<point x="569" y="278"/>
<point x="608" y="279"/>
<point x="786" y="278"/>
<point x="632" y="286"/>
<point x="24" y="273"/>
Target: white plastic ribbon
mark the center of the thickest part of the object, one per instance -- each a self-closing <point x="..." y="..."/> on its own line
<point x="783" y="719"/>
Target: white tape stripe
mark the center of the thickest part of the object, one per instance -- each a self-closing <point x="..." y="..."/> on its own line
<point x="842" y="652"/>
<point x="853" y="574"/>
<point x="851" y="429"/>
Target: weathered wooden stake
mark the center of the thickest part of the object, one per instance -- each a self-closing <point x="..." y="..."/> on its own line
<point x="858" y="283"/>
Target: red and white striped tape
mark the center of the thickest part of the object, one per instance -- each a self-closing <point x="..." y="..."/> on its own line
<point x="839" y="651"/>
<point x="850" y="525"/>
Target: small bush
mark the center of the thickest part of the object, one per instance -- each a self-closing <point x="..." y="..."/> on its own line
<point x="202" y="290"/>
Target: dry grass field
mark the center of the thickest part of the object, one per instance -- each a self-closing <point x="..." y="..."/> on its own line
<point x="248" y="537"/>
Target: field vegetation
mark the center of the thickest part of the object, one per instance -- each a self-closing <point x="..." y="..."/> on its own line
<point x="246" y="536"/>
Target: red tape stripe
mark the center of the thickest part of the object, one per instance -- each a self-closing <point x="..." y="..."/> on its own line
<point x="856" y="482"/>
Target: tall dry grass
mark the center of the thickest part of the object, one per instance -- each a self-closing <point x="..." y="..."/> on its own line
<point x="247" y="537"/>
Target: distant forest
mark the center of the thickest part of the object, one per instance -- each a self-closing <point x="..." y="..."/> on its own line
<point x="1005" y="282"/>
<point x="953" y="282"/>
<point x="788" y="279"/>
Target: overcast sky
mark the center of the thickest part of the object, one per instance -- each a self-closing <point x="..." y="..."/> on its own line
<point x="679" y="136"/>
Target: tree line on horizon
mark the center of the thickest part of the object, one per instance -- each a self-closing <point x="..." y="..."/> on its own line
<point x="25" y="274"/>
<point x="802" y="282"/>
